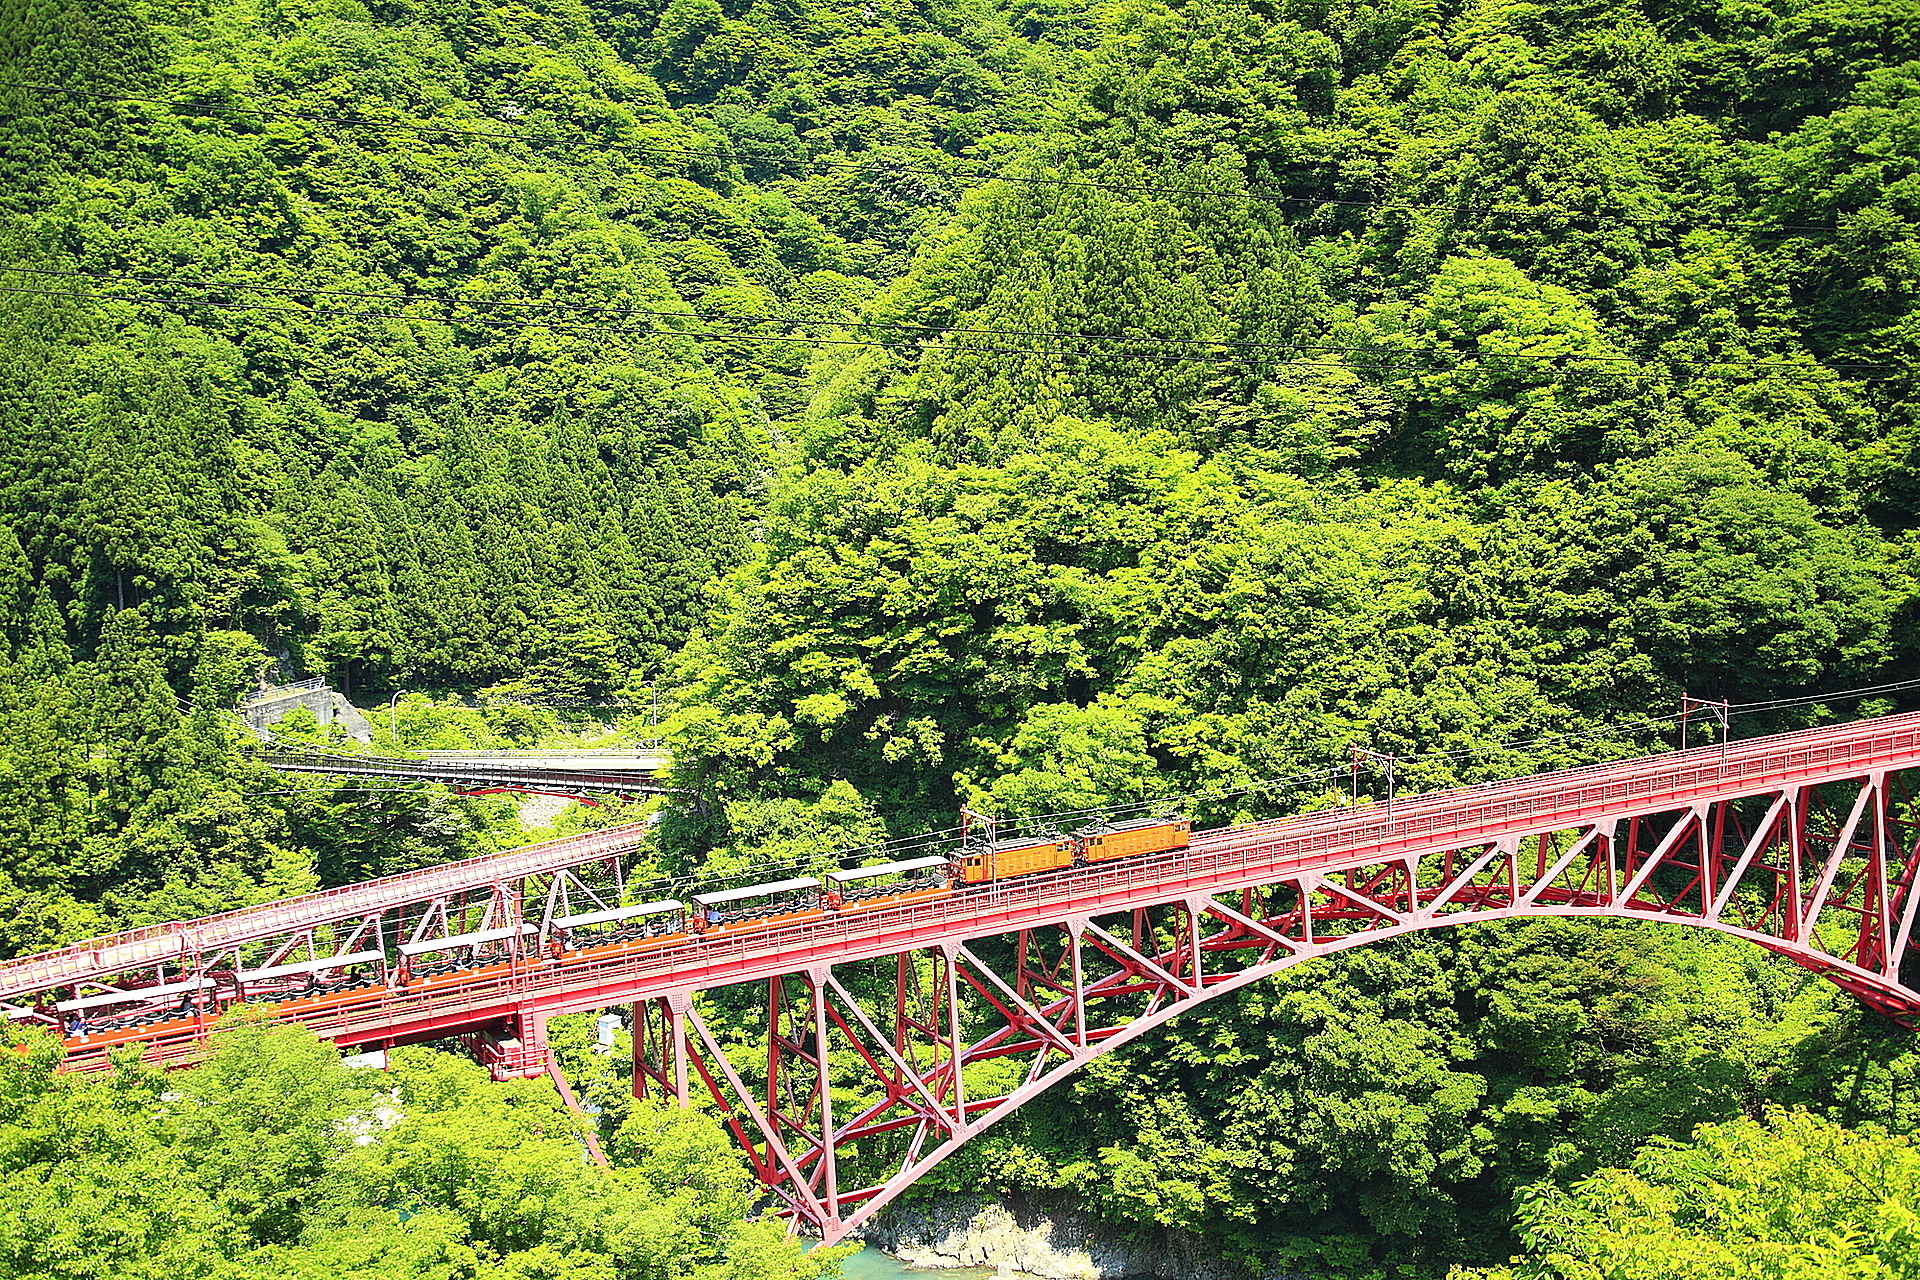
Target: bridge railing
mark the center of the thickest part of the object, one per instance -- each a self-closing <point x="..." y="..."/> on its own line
<point x="454" y="772"/>
<point x="1322" y="842"/>
<point x="279" y="691"/>
<point x="569" y="753"/>
<point x="156" y="943"/>
<point x="1460" y="813"/>
<point x="464" y="764"/>
<point x="1661" y="780"/>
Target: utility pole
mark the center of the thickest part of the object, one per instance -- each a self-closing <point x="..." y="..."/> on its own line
<point x="1718" y="709"/>
<point x="1388" y="763"/>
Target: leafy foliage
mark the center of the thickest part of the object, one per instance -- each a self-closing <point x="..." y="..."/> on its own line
<point x="1042" y="406"/>
<point x="1791" y="1196"/>
<point x="274" y="1160"/>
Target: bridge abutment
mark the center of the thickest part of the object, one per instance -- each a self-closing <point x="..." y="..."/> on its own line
<point x="274" y="703"/>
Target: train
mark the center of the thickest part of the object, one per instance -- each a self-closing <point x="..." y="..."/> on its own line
<point x="314" y="988"/>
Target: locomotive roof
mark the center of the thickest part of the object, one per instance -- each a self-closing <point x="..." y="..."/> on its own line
<point x="1027" y="842"/>
<point x="1130" y="824"/>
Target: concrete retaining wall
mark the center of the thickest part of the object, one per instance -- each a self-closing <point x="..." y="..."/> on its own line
<point x="328" y="707"/>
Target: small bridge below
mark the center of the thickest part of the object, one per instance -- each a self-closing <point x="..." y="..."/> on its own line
<point x="559" y="773"/>
<point x="599" y="760"/>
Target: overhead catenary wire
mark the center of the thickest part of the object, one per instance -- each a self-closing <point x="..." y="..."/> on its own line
<point x="1457" y="753"/>
<point x="1339" y="771"/>
<point x="1464" y="753"/>
<point x="1844" y="695"/>
<point x="813" y="319"/>
<point x="206" y="107"/>
<point x="1060" y="818"/>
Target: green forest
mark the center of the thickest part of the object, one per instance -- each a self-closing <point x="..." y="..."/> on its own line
<point x="1027" y="403"/>
<point x="274" y="1162"/>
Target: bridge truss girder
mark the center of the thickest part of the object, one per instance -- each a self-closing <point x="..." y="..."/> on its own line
<point x="479" y="779"/>
<point x="865" y="1075"/>
<point x="266" y="958"/>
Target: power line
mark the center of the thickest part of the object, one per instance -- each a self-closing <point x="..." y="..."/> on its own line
<point x="1486" y="361"/>
<point x="1844" y="695"/>
<point x="1330" y="774"/>
<point x="735" y="152"/>
<point x="1459" y="753"/>
<point x="1056" y="818"/>
<point x="804" y="318"/>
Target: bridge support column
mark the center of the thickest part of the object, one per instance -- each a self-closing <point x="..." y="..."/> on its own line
<point x="823" y="1084"/>
<point x="956" y="1043"/>
<point x="660" y="1047"/>
<point x="1076" y="927"/>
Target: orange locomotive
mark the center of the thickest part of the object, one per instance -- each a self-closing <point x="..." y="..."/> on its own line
<point x="1126" y="839"/>
<point x="998" y="859"/>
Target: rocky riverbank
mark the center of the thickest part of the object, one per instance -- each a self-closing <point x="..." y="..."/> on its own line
<point x="1052" y="1241"/>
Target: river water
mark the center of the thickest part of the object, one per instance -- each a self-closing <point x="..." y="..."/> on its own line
<point x="871" y="1264"/>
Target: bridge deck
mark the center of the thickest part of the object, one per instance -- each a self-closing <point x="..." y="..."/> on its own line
<point x="1252" y="854"/>
<point x="629" y="776"/>
<point x="120" y="951"/>
<point x="1218" y="861"/>
<point x="642" y="759"/>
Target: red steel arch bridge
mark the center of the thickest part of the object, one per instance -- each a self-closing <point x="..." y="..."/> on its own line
<point x="852" y="1046"/>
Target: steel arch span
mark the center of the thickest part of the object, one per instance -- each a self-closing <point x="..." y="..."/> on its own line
<point x="850" y="1051"/>
<point x="938" y="1042"/>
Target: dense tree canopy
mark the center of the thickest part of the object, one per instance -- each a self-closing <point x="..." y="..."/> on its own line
<point x="1790" y="1196"/>
<point x="1043" y="406"/>
<point x="274" y="1160"/>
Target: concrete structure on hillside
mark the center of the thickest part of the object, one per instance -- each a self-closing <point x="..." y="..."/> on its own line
<point x="273" y="702"/>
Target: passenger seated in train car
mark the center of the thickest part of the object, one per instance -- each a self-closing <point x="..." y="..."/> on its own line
<point x="731" y="908"/>
<point x="462" y="951"/>
<point x="589" y="929"/>
<point x="888" y="882"/>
